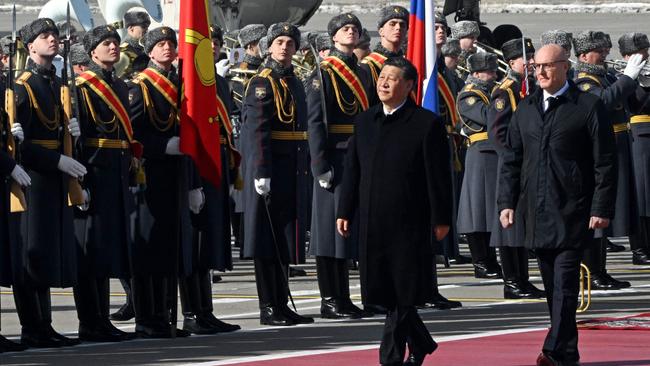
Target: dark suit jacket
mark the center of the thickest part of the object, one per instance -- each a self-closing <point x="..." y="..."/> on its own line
<point x="559" y="168"/>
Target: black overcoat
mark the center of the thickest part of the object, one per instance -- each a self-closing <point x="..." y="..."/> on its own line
<point x="397" y="175"/>
<point x="560" y="169"/>
<point x="103" y="231"/>
<point x="639" y="105"/>
<point x="614" y="93"/>
<point x="7" y="224"/>
<point x="285" y="161"/>
<point x="48" y="249"/>
<point x="212" y="240"/>
<point x="167" y="187"/>
<point x="327" y="146"/>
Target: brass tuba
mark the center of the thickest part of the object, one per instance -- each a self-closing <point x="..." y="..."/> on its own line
<point x="644" y="75"/>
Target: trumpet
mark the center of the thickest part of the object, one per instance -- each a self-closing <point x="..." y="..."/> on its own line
<point x="585" y="299"/>
<point x="644" y="75"/>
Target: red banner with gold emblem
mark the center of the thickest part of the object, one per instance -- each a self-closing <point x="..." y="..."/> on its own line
<point x="200" y="116"/>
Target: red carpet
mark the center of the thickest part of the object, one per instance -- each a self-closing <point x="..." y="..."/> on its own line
<point x="602" y="348"/>
<point x="632" y="322"/>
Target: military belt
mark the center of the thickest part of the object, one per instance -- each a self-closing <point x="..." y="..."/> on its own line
<point x="107" y="143"/>
<point x="342" y="129"/>
<point x="620" y="127"/>
<point x="641" y="118"/>
<point x="480" y="136"/>
<point x="289" y="135"/>
<point x="48" y="144"/>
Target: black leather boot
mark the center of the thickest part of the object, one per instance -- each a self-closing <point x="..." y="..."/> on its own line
<point x="271" y="315"/>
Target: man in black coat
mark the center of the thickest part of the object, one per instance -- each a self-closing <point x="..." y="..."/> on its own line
<point x="47" y="244"/>
<point x="559" y="173"/>
<point x="333" y="102"/>
<point x="397" y="176"/>
<point x="172" y="190"/>
<point x="102" y="225"/>
<point x="274" y="131"/>
<point x="12" y="174"/>
<point x="211" y="249"/>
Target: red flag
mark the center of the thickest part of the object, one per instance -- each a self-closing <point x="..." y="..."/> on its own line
<point x="199" y="121"/>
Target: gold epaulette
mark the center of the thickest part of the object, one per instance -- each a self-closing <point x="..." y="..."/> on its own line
<point x="470" y="88"/>
<point x="23" y="77"/>
<point x="506" y="84"/>
<point x="584" y="75"/>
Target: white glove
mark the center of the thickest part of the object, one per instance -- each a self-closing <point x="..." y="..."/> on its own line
<point x="223" y="67"/>
<point x="73" y="127"/>
<point x="634" y="66"/>
<point x="71" y="167"/>
<point x="325" y="180"/>
<point x="197" y="199"/>
<point x="263" y="186"/>
<point x="17" y="132"/>
<point x="173" y="146"/>
<point x="20" y="176"/>
<point x="86" y="205"/>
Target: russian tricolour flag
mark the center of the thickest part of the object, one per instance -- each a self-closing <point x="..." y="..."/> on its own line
<point x="422" y="51"/>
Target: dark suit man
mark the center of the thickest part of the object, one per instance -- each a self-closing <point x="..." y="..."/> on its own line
<point x="559" y="170"/>
<point x="398" y="164"/>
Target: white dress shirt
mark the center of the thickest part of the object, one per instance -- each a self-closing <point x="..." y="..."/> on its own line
<point x="547" y="95"/>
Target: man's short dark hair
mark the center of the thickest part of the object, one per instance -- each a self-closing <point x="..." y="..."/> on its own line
<point x="408" y="70"/>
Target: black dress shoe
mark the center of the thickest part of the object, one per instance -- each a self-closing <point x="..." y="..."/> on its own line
<point x="354" y="311"/>
<point x="296" y="272"/>
<point x="97" y="333"/>
<point x="219" y="325"/>
<point x="460" y="259"/>
<point x="63" y="340"/>
<point x="375" y="309"/>
<point x="153" y="331"/>
<point x="442" y="303"/>
<point x="483" y="270"/>
<point x="414" y="359"/>
<point x="537" y="293"/>
<point x="331" y="308"/>
<point x="196" y="325"/>
<point x="271" y="315"/>
<point x="640" y="257"/>
<point x="9" y="346"/>
<point x="181" y="333"/>
<point x="125" y="313"/>
<point x="125" y="336"/>
<point x="295" y="317"/>
<point x="38" y="340"/>
<point x="546" y="360"/>
<point x="216" y="278"/>
<point x="614" y="248"/>
<point x="618" y="284"/>
<point x="516" y="290"/>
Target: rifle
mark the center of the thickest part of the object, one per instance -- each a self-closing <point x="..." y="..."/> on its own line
<point x="17" y="202"/>
<point x="75" y="192"/>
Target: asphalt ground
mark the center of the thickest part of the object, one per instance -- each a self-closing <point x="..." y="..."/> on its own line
<point x="235" y="300"/>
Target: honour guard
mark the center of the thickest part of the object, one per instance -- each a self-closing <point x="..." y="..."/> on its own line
<point x="172" y="191"/>
<point x="477" y="208"/>
<point x="102" y="225"/>
<point x="13" y="177"/>
<point x="392" y="26"/>
<point x="211" y="249"/>
<point x="592" y="48"/>
<point x="631" y="44"/>
<point x="47" y="231"/>
<point x="450" y="51"/>
<point x="277" y="162"/>
<point x="132" y="53"/>
<point x="338" y="92"/>
<point x="504" y="102"/>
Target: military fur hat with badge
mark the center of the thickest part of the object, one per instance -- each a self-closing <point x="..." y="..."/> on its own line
<point x="29" y="32"/>
<point x="153" y="36"/>
<point x="465" y="29"/>
<point x="513" y="49"/>
<point x="558" y="37"/>
<point x="483" y="61"/>
<point x="392" y="12"/>
<point x="95" y="36"/>
<point x="631" y="43"/>
<point x="341" y="21"/>
<point x="250" y="34"/>
<point x="140" y="18"/>
<point x="588" y="41"/>
<point x="282" y="29"/>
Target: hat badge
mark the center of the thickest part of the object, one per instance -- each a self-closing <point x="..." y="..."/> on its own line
<point x="163" y="31"/>
<point x="286" y="27"/>
<point x="349" y="16"/>
<point x="396" y="10"/>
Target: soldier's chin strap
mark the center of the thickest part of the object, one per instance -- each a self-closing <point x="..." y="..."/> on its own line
<point x="285" y="277"/>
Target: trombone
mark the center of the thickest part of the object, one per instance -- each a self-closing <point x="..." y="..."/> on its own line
<point x="585" y="300"/>
<point x="486" y="48"/>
